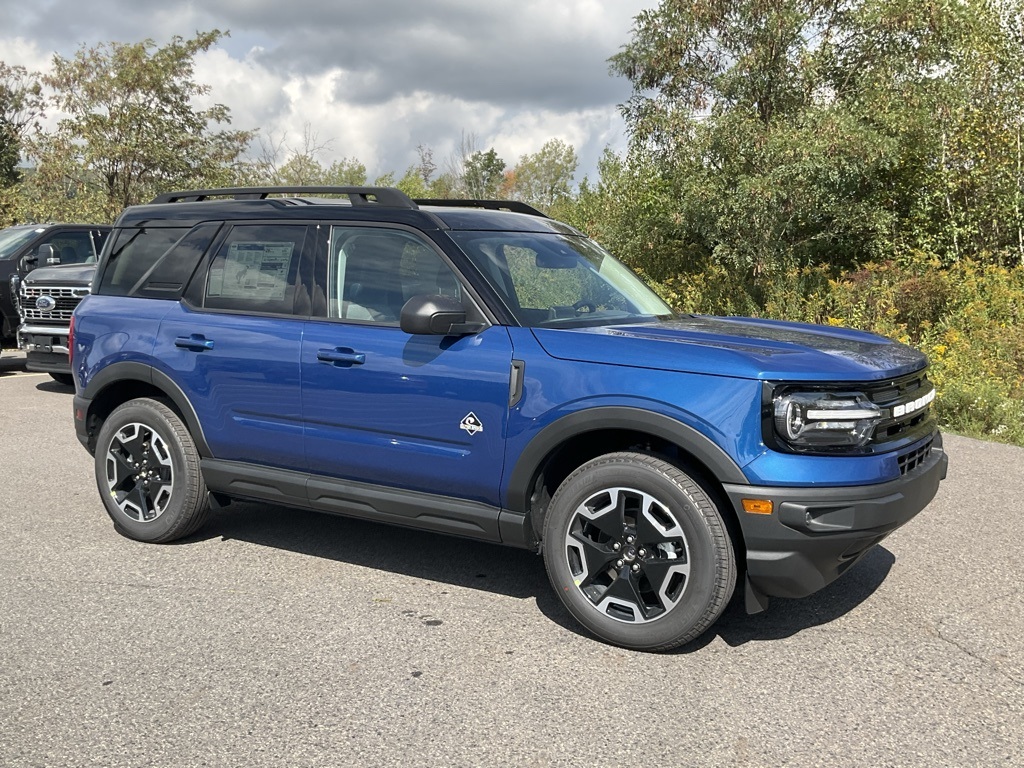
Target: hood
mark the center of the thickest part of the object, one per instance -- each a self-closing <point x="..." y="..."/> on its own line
<point x="738" y="347"/>
<point x="62" y="274"/>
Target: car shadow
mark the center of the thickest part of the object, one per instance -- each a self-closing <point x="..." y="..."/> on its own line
<point x="513" y="572"/>
<point x="11" y="364"/>
<point x="49" y="385"/>
<point x="424" y="555"/>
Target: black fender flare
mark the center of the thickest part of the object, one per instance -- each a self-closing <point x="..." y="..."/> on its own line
<point x="128" y="370"/>
<point x="701" y="447"/>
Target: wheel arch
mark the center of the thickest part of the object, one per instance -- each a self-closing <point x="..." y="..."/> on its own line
<point x="124" y="381"/>
<point x="558" y="449"/>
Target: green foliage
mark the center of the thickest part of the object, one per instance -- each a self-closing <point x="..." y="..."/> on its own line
<point x="833" y="132"/>
<point x="544" y="179"/>
<point x="347" y="172"/>
<point x="21" y="106"/>
<point x="131" y="129"/>
<point x="484" y="172"/>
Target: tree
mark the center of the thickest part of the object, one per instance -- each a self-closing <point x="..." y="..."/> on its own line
<point x="483" y="174"/>
<point x="798" y="132"/>
<point x="132" y="128"/>
<point x="21" y="106"/>
<point x="544" y="179"/>
<point x="426" y="167"/>
<point x="347" y="172"/>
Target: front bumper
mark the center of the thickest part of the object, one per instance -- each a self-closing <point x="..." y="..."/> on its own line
<point x="46" y="348"/>
<point x="815" y="534"/>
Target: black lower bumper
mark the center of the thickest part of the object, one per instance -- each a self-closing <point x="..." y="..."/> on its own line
<point x="47" y="362"/>
<point x="45" y="349"/>
<point x="815" y="534"/>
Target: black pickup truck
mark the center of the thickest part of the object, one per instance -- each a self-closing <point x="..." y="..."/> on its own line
<point x="22" y="250"/>
<point x="37" y="308"/>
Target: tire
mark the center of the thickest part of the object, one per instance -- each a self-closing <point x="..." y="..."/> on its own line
<point x="147" y="472"/>
<point x="65" y="379"/>
<point x="638" y="552"/>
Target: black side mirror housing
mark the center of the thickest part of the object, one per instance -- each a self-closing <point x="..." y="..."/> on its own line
<point x="435" y="315"/>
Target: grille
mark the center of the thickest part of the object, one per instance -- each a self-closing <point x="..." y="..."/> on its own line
<point x="898" y="392"/>
<point x="913" y="459"/>
<point x="67" y="299"/>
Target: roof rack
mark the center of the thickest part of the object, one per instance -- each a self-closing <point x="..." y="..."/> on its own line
<point x="385" y="196"/>
<point x="492" y="205"/>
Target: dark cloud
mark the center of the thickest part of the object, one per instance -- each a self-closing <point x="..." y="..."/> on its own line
<point x="509" y="52"/>
<point x="505" y="59"/>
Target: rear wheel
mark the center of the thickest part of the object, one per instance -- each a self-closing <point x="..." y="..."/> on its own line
<point x="638" y="552"/>
<point x="147" y="471"/>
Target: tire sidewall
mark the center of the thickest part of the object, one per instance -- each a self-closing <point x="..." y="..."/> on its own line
<point x="153" y="416"/>
<point x="682" y="620"/>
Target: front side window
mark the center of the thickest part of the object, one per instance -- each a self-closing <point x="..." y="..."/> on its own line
<point x="373" y="272"/>
<point x="553" y="280"/>
<point x="71" y="247"/>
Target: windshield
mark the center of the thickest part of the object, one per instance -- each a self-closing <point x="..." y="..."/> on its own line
<point x="551" y="280"/>
<point x="13" y="238"/>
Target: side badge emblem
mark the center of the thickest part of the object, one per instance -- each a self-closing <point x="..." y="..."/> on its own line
<point x="471" y="424"/>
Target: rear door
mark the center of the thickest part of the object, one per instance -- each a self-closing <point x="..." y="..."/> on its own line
<point x="234" y="346"/>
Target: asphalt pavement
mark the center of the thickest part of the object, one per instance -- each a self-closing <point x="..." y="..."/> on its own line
<point x="277" y="637"/>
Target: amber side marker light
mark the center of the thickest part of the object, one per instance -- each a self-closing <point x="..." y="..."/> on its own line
<point x="757" y="506"/>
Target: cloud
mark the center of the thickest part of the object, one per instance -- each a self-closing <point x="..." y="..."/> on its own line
<point x="373" y="80"/>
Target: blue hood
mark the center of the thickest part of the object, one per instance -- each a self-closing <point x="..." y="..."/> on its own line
<point x="739" y="347"/>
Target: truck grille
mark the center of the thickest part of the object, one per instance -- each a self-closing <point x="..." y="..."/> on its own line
<point x="899" y="393"/>
<point x="66" y="300"/>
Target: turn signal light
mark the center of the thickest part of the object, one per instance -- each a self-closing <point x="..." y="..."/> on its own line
<point x="758" y="506"/>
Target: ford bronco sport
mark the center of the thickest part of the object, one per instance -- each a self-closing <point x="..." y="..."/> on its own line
<point x="479" y="369"/>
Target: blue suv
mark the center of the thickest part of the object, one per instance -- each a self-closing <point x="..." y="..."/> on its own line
<point x="478" y="369"/>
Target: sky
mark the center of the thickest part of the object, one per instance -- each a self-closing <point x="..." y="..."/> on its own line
<point x="373" y="80"/>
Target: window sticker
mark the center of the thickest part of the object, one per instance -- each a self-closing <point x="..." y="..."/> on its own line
<point x="252" y="270"/>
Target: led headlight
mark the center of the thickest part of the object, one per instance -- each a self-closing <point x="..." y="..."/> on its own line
<point x="825" y="419"/>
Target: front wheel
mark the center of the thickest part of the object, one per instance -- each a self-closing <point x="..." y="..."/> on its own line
<point x="638" y="552"/>
<point x="64" y="379"/>
<point x="147" y="472"/>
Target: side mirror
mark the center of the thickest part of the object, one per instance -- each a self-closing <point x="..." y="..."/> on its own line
<point x="48" y="254"/>
<point x="435" y="316"/>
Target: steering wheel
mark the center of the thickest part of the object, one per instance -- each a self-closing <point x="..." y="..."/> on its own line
<point x="582" y="304"/>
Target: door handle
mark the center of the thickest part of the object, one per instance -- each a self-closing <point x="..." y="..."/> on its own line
<point x="341" y="357"/>
<point x="196" y="342"/>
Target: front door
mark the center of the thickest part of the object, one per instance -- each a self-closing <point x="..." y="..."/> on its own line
<point x="417" y="413"/>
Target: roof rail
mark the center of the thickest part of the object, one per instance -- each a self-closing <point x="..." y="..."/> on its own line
<point x="492" y="205"/>
<point x="386" y="196"/>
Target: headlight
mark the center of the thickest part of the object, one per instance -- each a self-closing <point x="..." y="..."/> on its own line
<point x="808" y="420"/>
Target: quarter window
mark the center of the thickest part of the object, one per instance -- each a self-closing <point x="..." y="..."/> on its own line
<point x="134" y="254"/>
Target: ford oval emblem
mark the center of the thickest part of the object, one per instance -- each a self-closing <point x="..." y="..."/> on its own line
<point x="46" y="303"/>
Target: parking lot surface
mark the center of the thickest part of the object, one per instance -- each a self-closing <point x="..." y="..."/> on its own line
<point x="286" y="638"/>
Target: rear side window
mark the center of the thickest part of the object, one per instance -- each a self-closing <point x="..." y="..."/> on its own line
<point x="133" y="256"/>
<point x="256" y="269"/>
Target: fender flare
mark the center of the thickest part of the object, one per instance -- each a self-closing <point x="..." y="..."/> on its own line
<point x="698" y="445"/>
<point x="119" y="373"/>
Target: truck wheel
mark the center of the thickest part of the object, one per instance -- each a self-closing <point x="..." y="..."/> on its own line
<point x="147" y="471"/>
<point x="638" y="552"/>
<point x="65" y="379"/>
